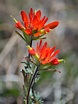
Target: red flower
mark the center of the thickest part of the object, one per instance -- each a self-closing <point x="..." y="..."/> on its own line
<point x="33" y="24"/>
<point x="45" y="54"/>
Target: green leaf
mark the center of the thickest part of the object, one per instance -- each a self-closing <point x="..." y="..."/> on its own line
<point x="27" y="38"/>
<point x="20" y="35"/>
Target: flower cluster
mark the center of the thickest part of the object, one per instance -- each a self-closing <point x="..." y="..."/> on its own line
<point x="33" y="24"/>
<point x="45" y="54"/>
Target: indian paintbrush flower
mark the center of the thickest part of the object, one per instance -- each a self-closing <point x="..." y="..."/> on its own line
<point x="33" y="24"/>
<point x="45" y="54"/>
<point x="33" y="27"/>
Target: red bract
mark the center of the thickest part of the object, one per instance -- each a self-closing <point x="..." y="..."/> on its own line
<point x="45" y="54"/>
<point x="33" y="24"/>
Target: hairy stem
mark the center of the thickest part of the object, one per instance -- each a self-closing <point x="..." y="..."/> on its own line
<point x="31" y="82"/>
<point x="26" y="75"/>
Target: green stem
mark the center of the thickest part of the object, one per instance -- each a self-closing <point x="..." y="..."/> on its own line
<point x="30" y="46"/>
<point x="26" y="79"/>
<point x="25" y="76"/>
<point x="31" y="82"/>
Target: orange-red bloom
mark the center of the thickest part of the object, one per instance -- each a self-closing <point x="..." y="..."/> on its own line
<point x="45" y="54"/>
<point x="33" y="24"/>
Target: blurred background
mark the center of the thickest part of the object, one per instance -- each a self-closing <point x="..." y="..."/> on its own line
<point x="54" y="88"/>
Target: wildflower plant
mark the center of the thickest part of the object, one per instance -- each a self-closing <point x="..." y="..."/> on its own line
<point x="42" y="57"/>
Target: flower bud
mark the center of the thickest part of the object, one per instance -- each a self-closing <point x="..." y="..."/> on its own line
<point x="31" y="50"/>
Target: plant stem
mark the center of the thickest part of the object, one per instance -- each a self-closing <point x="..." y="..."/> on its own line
<point x="26" y="75"/>
<point x="30" y="46"/>
<point x="31" y="42"/>
<point x="31" y="82"/>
